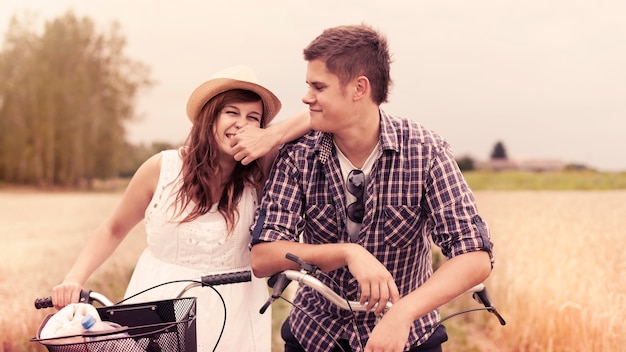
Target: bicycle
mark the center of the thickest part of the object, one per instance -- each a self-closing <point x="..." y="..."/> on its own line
<point x="308" y="271"/>
<point x="156" y="326"/>
<point x="147" y="328"/>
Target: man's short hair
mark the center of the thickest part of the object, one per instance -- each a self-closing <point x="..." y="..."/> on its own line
<point x="352" y="51"/>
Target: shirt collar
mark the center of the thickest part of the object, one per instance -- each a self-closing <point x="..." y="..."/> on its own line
<point x="388" y="133"/>
<point x="388" y="138"/>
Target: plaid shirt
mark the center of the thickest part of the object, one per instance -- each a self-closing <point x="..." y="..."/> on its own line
<point x="415" y="190"/>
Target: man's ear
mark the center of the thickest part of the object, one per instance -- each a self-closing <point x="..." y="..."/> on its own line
<point x="362" y="88"/>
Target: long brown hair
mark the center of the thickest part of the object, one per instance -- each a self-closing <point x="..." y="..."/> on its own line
<point x="201" y="168"/>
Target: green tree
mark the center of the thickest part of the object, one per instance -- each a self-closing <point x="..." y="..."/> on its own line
<point x="499" y="152"/>
<point x="64" y="101"/>
<point x="465" y="163"/>
<point x="136" y="154"/>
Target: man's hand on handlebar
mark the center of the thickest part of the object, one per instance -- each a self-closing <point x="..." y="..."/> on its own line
<point x="377" y="284"/>
<point x="391" y="332"/>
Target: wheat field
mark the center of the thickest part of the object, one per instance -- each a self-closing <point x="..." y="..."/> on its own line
<point x="559" y="278"/>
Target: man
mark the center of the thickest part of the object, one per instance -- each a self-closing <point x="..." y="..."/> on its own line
<point x="364" y="190"/>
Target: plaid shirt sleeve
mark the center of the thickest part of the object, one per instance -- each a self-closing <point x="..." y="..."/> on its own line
<point x="279" y="215"/>
<point x="456" y="226"/>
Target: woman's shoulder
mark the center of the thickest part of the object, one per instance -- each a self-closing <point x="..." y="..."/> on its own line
<point x="152" y="163"/>
<point x="169" y="158"/>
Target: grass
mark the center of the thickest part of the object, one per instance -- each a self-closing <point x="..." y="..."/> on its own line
<point x="557" y="181"/>
<point x="558" y="279"/>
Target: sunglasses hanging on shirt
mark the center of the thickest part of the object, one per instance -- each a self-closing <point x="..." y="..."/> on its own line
<point x="356" y="187"/>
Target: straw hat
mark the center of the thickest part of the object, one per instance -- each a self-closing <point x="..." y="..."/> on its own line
<point x="236" y="77"/>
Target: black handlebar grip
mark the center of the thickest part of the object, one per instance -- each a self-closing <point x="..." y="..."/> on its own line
<point x="46" y="302"/>
<point x="227" y="278"/>
<point x="272" y="279"/>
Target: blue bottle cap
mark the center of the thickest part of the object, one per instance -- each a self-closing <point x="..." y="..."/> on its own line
<point x="88" y="321"/>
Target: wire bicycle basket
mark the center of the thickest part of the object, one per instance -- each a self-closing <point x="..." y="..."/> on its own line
<point x="156" y="326"/>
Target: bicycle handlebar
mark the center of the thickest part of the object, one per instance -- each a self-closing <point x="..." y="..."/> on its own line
<point x="219" y="279"/>
<point x="227" y="278"/>
<point x="88" y="296"/>
<point x="306" y="279"/>
<point x="281" y="280"/>
<point x="305" y="276"/>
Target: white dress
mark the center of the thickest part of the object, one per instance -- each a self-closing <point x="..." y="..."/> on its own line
<point x="201" y="247"/>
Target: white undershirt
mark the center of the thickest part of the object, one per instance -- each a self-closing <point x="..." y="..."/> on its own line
<point x="346" y="167"/>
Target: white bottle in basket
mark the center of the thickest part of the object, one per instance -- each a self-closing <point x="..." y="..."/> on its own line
<point x="117" y="342"/>
<point x="90" y="323"/>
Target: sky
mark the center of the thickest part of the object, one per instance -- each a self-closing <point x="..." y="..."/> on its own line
<point x="547" y="78"/>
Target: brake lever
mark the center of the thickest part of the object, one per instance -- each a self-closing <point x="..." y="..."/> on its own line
<point x="304" y="266"/>
<point x="278" y="283"/>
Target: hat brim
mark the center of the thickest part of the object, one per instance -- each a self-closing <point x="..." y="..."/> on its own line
<point x="209" y="89"/>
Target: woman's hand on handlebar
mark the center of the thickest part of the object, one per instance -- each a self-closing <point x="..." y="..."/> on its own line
<point x="377" y="284"/>
<point x="65" y="293"/>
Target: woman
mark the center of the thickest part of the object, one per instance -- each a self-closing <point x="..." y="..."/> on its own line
<point x="197" y="204"/>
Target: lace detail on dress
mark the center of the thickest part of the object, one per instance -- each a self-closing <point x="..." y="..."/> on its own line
<point x="203" y="244"/>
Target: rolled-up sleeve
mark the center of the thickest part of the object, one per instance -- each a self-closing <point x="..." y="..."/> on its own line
<point x="279" y="214"/>
<point x="456" y="226"/>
